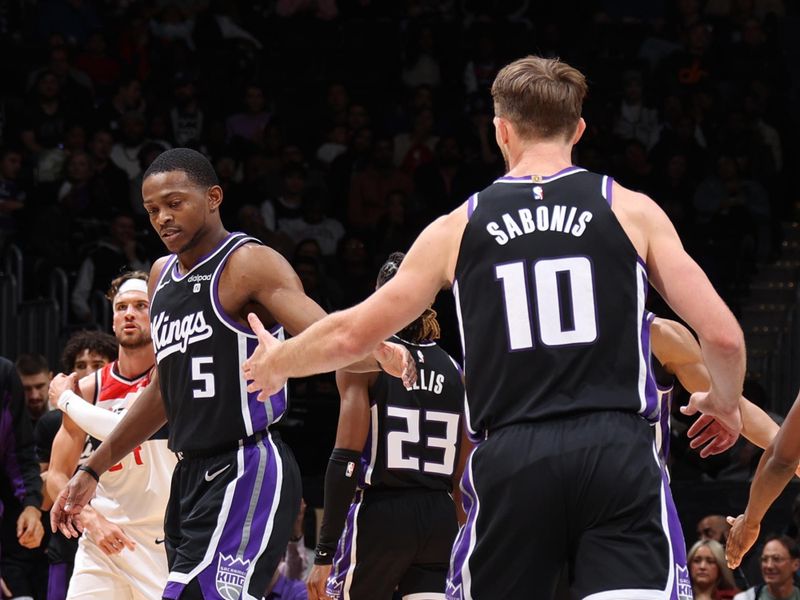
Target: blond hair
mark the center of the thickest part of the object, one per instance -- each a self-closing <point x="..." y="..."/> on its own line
<point x="541" y="97"/>
<point x="725" y="579"/>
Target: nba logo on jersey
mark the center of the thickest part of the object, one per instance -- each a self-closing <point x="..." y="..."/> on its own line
<point x="230" y="576"/>
<point x="351" y="466"/>
<point x="682" y="583"/>
<point x="420" y="356"/>
<point x="538" y="193"/>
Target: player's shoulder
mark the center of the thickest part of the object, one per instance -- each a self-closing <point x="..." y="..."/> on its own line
<point x="252" y="258"/>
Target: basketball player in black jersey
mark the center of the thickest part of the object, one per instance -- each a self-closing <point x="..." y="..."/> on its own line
<point x="398" y="451"/>
<point x="549" y="267"/>
<point x="236" y="490"/>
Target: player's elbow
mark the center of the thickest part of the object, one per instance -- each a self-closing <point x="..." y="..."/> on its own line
<point x="781" y="462"/>
<point x="728" y="341"/>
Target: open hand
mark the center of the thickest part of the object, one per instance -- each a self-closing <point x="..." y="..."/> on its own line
<point x="709" y="403"/>
<point x="709" y="435"/>
<point x="259" y="369"/>
<point x="741" y="538"/>
<point x="109" y="537"/>
<point x="69" y="504"/>
<point x="396" y="360"/>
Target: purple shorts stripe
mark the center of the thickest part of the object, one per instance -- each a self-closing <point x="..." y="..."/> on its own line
<point x="239" y="545"/>
<point x="682" y="587"/>
<point x="173" y="590"/>
<point x="342" y="560"/>
<point x="459" y="556"/>
<point x="57" y="581"/>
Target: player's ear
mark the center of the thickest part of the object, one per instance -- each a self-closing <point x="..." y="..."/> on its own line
<point x="214" y="198"/>
<point x="579" y="131"/>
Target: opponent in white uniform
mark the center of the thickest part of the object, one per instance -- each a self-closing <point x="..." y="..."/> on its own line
<point x="121" y="554"/>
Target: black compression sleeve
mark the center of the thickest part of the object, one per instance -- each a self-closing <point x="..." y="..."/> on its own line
<point x="340" y="485"/>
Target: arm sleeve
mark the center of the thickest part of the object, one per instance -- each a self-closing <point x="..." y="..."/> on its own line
<point x="97" y="422"/>
<point x="340" y="485"/>
<point x="17" y="448"/>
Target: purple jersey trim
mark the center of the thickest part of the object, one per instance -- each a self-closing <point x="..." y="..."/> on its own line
<point x="472" y="203"/>
<point x="176" y="276"/>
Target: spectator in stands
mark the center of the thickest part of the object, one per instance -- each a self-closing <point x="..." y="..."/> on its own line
<point x="249" y="125"/>
<point x="415" y="147"/>
<point x="125" y="153"/>
<point x="711" y="578"/>
<point x="314" y="223"/>
<point x="114" y="253"/>
<point x="369" y="188"/>
<point x="23" y="569"/>
<point x="146" y="155"/>
<point x="35" y="374"/>
<point x="76" y="193"/>
<point x="76" y="86"/>
<point x="335" y="144"/>
<point x="713" y="527"/>
<point x="12" y="193"/>
<point x="127" y="97"/>
<point x="95" y="61"/>
<point x="110" y="182"/>
<point x="288" y="205"/>
<point x="446" y="182"/>
<point x="635" y="121"/>
<point x="45" y="119"/>
<point x="186" y="117"/>
<point x="780" y="559"/>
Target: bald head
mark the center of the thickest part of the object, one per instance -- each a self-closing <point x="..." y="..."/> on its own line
<point x="713" y="527"/>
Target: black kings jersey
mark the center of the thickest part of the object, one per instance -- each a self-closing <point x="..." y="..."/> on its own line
<point x="415" y="435"/>
<point x="550" y="295"/>
<point x="199" y="353"/>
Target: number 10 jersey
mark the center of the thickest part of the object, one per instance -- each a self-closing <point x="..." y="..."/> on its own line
<point x="199" y="352"/>
<point x="550" y="295"/>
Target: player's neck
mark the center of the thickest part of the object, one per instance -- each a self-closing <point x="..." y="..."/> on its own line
<point x="538" y="158"/>
<point x="204" y="245"/>
<point x="132" y="362"/>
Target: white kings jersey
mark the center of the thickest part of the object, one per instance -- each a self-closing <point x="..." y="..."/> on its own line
<point x="134" y="491"/>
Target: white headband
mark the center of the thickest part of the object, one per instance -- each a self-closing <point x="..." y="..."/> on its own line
<point x="133" y="285"/>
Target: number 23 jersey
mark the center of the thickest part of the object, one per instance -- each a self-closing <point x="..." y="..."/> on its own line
<point x="550" y="294"/>
<point x="415" y="435"/>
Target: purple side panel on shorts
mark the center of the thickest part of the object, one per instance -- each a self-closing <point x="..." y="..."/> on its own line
<point x="461" y="546"/>
<point x="227" y="564"/>
<point x="682" y="588"/>
<point x="57" y="581"/>
<point x="173" y="590"/>
<point x="344" y="551"/>
<point x="666" y="407"/>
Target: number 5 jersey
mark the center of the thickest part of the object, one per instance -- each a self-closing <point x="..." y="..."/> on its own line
<point x="199" y="351"/>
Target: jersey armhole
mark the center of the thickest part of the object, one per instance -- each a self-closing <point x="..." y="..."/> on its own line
<point x="97" y="378"/>
<point x="606" y="187"/>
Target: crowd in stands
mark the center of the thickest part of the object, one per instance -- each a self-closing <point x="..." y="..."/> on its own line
<point x="340" y="128"/>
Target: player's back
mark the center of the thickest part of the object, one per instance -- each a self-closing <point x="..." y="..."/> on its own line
<point x="415" y="435"/>
<point x="135" y="490"/>
<point x="550" y="296"/>
<point x="199" y="352"/>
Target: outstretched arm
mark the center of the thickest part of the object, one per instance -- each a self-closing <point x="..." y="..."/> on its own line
<point x="689" y="292"/>
<point x="347" y="336"/>
<point x="775" y="469"/>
